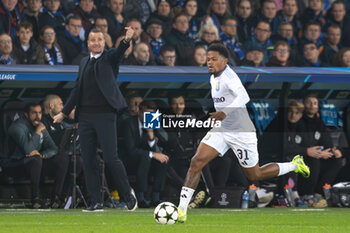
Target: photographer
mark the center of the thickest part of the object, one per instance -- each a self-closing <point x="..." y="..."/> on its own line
<point x="30" y="149"/>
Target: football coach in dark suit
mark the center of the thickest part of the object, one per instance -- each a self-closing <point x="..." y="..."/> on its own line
<point x="97" y="98"/>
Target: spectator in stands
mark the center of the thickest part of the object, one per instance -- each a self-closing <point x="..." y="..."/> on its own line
<point x="31" y="149"/>
<point x="53" y="52"/>
<point x="268" y="14"/>
<point x="143" y="151"/>
<point x="101" y="23"/>
<point x="218" y="10"/>
<point x="337" y="15"/>
<point x="312" y="33"/>
<point x="139" y="9"/>
<point x="25" y="49"/>
<point x="163" y="14"/>
<point x="11" y="14"/>
<point x="280" y="55"/>
<point x="167" y="56"/>
<point x="342" y="58"/>
<point x="53" y="105"/>
<point x="6" y="50"/>
<point x="324" y="162"/>
<point x="289" y="14"/>
<point x="285" y="32"/>
<point x="254" y="57"/>
<point x="31" y="14"/>
<point x="86" y="11"/>
<point x="229" y="37"/>
<point x="207" y="34"/>
<point x="52" y="15"/>
<point x="311" y="56"/>
<point x="72" y="46"/>
<point x="178" y="37"/>
<point x="115" y="16"/>
<point x="314" y="13"/>
<point x="140" y="56"/>
<point x="200" y="56"/>
<point x="245" y="20"/>
<point x="261" y="39"/>
<point x="128" y="52"/>
<point x="154" y="30"/>
<point x="332" y="44"/>
<point x="190" y="8"/>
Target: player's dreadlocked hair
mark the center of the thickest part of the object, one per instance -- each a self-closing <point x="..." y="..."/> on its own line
<point x="220" y="48"/>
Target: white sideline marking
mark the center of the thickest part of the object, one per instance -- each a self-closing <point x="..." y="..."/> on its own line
<point x="302" y="210"/>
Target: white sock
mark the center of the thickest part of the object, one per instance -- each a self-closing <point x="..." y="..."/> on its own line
<point x="185" y="198"/>
<point x="286" y="168"/>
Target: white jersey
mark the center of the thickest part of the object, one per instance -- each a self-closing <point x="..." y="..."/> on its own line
<point x="230" y="97"/>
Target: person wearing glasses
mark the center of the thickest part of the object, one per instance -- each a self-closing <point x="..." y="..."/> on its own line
<point x="280" y="55"/>
<point x="6" y="50"/>
<point x="53" y="52"/>
<point x="167" y="56"/>
<point x="207" y="35"/>
<point x="261" y="39"/>
<point x="311" y="56"/>
<point x="72" y="46"/>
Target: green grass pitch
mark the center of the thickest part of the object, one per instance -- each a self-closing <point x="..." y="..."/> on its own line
<point x="199" y="220"/>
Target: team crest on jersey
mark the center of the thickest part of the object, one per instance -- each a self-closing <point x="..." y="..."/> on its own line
<point x="217" y="86"/>
<point x="207" y="137"/>
<point x="297" y="139"/>
<point x="317" y="135"/>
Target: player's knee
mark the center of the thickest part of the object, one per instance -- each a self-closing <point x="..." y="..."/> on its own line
<point x="253" y="175"/>
<point x="197" y="164"/>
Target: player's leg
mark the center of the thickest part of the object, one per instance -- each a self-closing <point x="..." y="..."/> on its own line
<point x="203" y="156"/>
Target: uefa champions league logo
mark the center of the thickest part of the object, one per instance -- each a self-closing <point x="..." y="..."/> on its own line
<point x="223" y="200"/>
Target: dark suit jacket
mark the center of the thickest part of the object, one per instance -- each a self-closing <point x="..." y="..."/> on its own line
<point x="106" y="69"/>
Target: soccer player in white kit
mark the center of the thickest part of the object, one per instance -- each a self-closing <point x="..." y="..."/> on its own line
<point x="236" y="132"/>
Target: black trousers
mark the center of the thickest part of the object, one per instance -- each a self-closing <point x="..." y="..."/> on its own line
<point x="321" y="171"/>
<point x="100" y="129"/>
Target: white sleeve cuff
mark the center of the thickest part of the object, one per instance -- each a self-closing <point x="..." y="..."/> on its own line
<point x="151" y="155"/>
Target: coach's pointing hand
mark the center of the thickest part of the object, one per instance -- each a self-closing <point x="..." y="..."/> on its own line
<point x="129" y="33"/>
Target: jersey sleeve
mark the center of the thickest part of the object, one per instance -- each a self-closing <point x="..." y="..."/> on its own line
<point x="239" y="93"/>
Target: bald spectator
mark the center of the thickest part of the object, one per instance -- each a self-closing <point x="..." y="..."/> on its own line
<point x="141" y="56"/>
<point x="178" y="37"/>
<point x="167" y="56"/>
<point x="254" y="57"/>
<point x="25" y="48"/>
<point x="6" y="50"/>
<point x="261" y="39"/>
<point x="52" y="15"/>
<point x="11" y="14"/>
<point x="31" y="14"/>
<point x="332" y="45"/>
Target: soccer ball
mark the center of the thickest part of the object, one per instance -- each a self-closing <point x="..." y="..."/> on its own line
<point x="166" y="213"/>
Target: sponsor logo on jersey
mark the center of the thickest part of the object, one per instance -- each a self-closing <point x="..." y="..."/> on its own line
<point x="219" y="100"/>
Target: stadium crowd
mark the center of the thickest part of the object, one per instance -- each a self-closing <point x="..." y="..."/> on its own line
<point x="173" y="32"/>
<point x="257" y="33"/>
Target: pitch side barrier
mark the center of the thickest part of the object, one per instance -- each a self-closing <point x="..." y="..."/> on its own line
<point x="179" y="74"/>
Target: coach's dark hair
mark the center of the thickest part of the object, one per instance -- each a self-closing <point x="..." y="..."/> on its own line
<point x="311" y="95"/>
<point x="220" y="48"/>
<point x="30" y="105"/>
<point x="175" y="95"/>
<point x="149" y="104"/>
